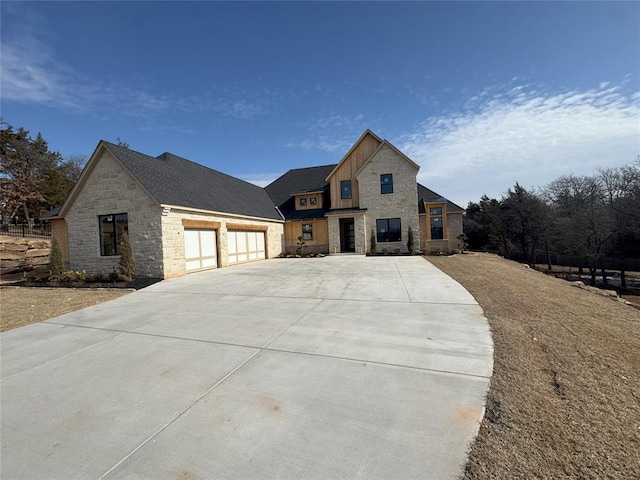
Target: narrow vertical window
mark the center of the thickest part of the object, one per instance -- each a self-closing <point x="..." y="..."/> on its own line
<point x="345" y="189"/>
<point x="386" y="183"/>
<point x="307" y="231"/>
<point x="436" y="223"/>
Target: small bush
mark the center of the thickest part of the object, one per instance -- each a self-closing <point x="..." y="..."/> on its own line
<point x="56" y="262"/>
<point x="97" y="276"/>
<point x="301" y="245"/>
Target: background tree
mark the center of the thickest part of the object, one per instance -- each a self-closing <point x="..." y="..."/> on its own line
<point x="32" y="178"/>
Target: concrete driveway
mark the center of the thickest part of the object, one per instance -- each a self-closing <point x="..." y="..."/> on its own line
<point x="338" y="367"/>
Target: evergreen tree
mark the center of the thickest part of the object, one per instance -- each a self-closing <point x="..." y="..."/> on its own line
<point x="127" y="264"/>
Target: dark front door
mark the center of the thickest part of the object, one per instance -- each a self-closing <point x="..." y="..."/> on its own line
<point x="347" y="235"/>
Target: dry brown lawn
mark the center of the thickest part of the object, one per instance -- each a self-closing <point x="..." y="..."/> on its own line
<point x="564" y="400"/>
<point x="21" y="306"/>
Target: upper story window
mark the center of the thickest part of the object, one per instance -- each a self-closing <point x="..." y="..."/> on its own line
<point x="386" y="183"/>
<point x="345" y="189"/>
<point x="313" y="200"/>
<point x="303" y="201"/>
<point x="112" y="228"/>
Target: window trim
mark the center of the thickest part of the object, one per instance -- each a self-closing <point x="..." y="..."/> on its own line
<point x="383" y="184"/>
<point x="313" y="201"/>
<point x="116" y="233"/>
<point x="343" y="184"/>
<point x="303" y="201"/>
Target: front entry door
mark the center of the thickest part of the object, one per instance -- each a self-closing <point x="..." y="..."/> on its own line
<point x="347" y="235"/>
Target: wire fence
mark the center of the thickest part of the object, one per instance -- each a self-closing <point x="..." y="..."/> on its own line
<point x="42" y="230"/>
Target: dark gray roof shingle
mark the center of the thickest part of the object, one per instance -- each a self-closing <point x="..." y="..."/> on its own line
<point x="173" y="180"/>
<point x="300" y="180"/>
<point x="427" y="195"/>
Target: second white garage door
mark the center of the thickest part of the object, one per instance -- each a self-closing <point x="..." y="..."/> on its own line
<point x="200" y="249"/>
<point x="245" y="246"/>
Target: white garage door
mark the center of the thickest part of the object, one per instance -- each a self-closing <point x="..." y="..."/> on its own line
<point x="245" y="246"/>
<point x="200" y="249"/>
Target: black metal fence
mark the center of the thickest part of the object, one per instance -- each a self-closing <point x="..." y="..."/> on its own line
<point x="42" y="230"/>
<point x="574" y="261"/>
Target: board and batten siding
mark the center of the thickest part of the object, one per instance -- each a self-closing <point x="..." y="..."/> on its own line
<point x="347" y="171"/>
<point x="320" y="241"/>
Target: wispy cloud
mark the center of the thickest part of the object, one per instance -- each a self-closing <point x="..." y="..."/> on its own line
<point x="522" y="134"/>
<point x="330" y="133"/>
<point x="32" y="73"/>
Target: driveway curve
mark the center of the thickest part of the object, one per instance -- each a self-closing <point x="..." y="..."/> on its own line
<point x="335" y="367"/>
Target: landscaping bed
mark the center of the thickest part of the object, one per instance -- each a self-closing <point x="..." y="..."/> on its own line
<point x="564" y="400"/>
<point x="23" y="305"/>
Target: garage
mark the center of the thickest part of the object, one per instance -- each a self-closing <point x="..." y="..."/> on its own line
<point x="245" y="246"/>
<point x="200" y="249"/>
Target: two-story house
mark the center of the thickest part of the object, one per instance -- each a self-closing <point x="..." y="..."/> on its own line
<point x="183" y="217"/>
<point x="372" y="191"/>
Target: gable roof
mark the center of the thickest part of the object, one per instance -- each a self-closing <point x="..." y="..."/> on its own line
<point x="392" y="147"/>
<point x="176" y="181"/>
<point x="353" y="147"/>
<point x="299" y="180"/>
<point x="427" y="195"/>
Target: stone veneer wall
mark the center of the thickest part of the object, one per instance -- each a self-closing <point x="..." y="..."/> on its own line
<point x="402" y="203"/>
<point x="173" y="235"/>
<point x="359" y="227"/>
<point x="110" y="189"/>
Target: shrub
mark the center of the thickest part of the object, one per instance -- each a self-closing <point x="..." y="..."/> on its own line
<point x="127" y="264"/>
<point x="373" y="245"/>
<point x="301" y="245"/>
<point x="56" y="262"/>
<point x="97" y="276"/>
<point x="410" y="245"/>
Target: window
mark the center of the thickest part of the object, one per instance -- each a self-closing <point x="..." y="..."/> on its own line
<point x="386" y="183"/>
<point x="303" y="201"/>
<point x="307" y="231"/>
<point x="313" y="200"/>
<point x="437" y="227"/>
<point x="388" y="230"/>
<point x="111" y="229"/>
<point x="345" y="189"/>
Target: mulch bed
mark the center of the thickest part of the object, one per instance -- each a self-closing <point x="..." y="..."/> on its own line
<point x="564" y="400"/>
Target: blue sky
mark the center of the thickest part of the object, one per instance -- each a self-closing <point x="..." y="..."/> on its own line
<point x="480" y="94"/>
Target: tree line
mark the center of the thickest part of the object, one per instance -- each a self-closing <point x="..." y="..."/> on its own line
<point x="587" y="217"/>
<point x="33" y="179"/>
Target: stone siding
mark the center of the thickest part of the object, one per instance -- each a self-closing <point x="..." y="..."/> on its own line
<point x="173" y="235"/>
<point x="110" y="189"/>
<point x="402" y="203"/>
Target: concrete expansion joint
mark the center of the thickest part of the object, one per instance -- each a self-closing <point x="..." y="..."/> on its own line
<point x="373" y="362"/>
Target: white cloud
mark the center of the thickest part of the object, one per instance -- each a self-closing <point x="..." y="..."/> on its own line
<point x="524" y="135"/>
<point x="331" y="133"/>
<point x="32" y="74"/>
